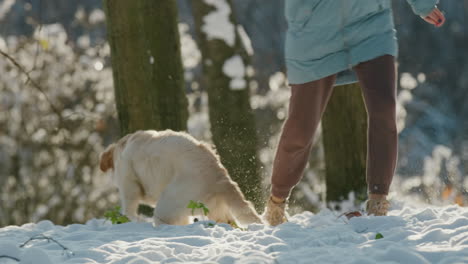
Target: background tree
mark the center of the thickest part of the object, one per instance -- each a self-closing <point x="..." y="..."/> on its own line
<point x="146" y="62"/>
<point x="147" y="66"/>
<point x="344" y="126"/>
<point x="225" y="79"/>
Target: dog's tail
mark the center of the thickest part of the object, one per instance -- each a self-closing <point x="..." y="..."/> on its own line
<point x="241" y="209"/>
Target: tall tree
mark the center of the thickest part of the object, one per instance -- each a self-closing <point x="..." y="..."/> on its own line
<point x="232" y="121"/>
<point x="146" y="64"/>
<point x="344" y="126"/>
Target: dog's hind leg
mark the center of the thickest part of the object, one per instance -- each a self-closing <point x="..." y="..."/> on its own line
<point x="172" y="208"/>
<point x="219" y="211"/>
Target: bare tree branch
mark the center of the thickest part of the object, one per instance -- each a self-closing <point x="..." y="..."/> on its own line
<point x="33" y="83"/>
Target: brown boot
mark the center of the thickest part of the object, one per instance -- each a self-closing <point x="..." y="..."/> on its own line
<point x="377" y="207"/>
<point x="275" y="213"/>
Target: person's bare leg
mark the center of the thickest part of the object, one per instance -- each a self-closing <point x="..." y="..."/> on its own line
<point x="378" y="81"/>
<point x="306" y="107"/>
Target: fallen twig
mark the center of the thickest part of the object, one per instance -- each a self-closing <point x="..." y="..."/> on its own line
<point x="41" y="236"/>
<point x="9" y="257"/>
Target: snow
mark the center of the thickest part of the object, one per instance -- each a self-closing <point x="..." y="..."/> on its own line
<point x="277" y="81"/>
<point x="97" y="16"/>
<point x="235" y="69"/>
<point x="216" y="23"/>
<point x="407" y="81"/>
<point x="98" y="66"/>
<point x="191" y="55"/>
<point x="3" y="45"/>
<point x="421" y="77"/>
<point x="5" y="7"/>
<point x="410" y="235"/>
<point x="246" y="42"/>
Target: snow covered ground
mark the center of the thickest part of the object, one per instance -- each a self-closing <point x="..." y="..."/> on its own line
<point x="410" y="235"/>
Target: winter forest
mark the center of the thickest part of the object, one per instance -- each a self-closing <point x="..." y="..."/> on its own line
<point x="216" y="69"/>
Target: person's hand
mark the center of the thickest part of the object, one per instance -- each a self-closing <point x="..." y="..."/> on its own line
<point x="435" y="18"/>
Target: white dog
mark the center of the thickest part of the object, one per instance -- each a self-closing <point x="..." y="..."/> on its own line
<point x="169" y="169"/>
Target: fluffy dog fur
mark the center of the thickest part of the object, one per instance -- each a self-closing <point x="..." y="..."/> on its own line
<point x="169" y="169"/>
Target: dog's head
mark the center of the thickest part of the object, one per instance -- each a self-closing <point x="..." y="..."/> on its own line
<point x="106" y="160"/>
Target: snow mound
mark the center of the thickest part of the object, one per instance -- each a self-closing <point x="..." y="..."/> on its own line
<point x="410" y="235"/>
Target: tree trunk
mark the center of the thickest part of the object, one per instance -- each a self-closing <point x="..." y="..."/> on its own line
<point x="146" y="63"/>
<point x="147" y="66"/>
<point x="231" y="117"/>
<point x="344" y="126"/>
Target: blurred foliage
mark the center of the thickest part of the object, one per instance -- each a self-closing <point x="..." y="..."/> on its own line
<point x="48" y="165"/>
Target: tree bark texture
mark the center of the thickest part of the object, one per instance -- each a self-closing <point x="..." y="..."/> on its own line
<point x="344" y="126"/>
<point x="231" y="117"/>
<point x="146" y="63"/>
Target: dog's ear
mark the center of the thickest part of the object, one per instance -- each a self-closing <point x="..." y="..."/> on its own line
<point x="107" y="159"/>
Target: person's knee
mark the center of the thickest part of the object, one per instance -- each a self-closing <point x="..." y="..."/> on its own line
<point x="298" y="130"/>
<point x="296" y="138"/>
